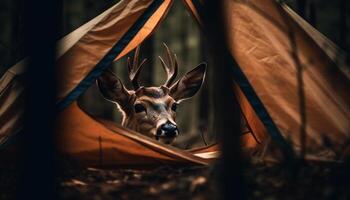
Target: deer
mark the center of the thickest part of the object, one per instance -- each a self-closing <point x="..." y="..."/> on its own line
<point x="151" y="111"/>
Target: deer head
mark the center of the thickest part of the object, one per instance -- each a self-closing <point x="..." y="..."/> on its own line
<point x="152" y="110"/>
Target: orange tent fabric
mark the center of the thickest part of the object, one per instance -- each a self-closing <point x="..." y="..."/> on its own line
<point x="103" y="143"/>
<point x="269" y="46"/>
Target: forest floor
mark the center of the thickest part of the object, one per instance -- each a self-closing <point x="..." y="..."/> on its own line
<point x="262" y="181"/>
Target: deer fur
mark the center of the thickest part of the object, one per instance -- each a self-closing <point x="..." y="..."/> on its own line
<point x="147" y="109"/>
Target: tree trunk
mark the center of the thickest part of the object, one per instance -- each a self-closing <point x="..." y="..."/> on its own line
<point x="313" y="13"/>
<point x="38" y="156"/>
<point x="147" y="51"/>
<point x="343" y="24"/>
<point x="301" y="6"/>
<point x="17" y="32"/>
<point x="227" y="118"/>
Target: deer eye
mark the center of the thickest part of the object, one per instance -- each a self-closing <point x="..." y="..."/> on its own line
<point x="139" y="108"/>
<point x="174" y="107"/>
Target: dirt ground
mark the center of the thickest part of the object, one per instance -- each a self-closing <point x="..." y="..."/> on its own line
<point x="262" y="181"/>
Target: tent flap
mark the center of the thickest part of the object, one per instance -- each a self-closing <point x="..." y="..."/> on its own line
<point x="97" y="49"/>
<point x="269" y="47"/>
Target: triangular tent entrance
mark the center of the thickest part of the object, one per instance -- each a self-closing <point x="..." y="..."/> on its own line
<point x="259" y="35"/>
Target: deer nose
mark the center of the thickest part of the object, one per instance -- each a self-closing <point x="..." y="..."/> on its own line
<point x="168" y="130"/>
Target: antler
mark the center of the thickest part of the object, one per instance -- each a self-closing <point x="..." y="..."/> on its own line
<point x="135" y="68"/>
<point x="171" y="67"/>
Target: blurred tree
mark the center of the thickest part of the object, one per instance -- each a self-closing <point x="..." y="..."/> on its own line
<point x="312" y="13"/>
<point x="227" y="116"/>
<point x="147" y="51"/>
<point x="343" y="24"/>
<point x="41" y="29"/>
<point x="11" y="35"/>
<point x="301" y="6"/>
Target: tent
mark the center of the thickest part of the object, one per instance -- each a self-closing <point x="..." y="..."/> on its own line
<point x="267" y="40"/>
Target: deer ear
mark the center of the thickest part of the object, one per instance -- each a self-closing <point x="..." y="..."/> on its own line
<point x="113" y="89"/>
<point x="189" y="84"/>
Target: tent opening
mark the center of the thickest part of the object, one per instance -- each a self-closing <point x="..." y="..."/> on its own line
<point x="193" y="116"/>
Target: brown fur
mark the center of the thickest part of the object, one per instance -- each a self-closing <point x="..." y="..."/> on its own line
<point x="156" y="103"/>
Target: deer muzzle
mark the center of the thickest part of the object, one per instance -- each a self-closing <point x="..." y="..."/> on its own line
<point x="167" y="132"/>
